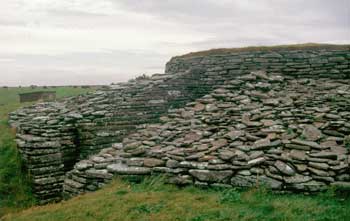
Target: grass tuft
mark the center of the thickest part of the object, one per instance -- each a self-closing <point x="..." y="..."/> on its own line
<point x="151" y="200"/>
<point x="306" y="46"/>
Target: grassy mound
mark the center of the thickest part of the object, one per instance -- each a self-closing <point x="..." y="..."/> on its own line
<point x="151" y="200"/>
<point x="306" y="46"/>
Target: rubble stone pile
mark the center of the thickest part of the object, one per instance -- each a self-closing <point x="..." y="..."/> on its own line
<point x="259" y="129"/>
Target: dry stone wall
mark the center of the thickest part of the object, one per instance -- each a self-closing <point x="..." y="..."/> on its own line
<point x="53" y="137"/>
<point x="298" y="63"/>
<point x="45" y="139"/>
<point x="259" y="129"/>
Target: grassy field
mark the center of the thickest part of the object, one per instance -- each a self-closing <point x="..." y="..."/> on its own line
<point x="153" y="201"/>
<point x="14" y="188"/>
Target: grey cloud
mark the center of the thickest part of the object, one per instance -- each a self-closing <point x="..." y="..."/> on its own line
<point x="74" y="13"/>
<point x="4" y="22"/>
<point x="78" y="68"/>
<point x="196" y="25"/>
<point x="258" y="10"/>
<point x="236" y="23"/>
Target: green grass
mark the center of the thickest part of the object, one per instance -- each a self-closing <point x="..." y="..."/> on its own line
<point x="15" y="191"/>
<point x="306" y="46"/>
<point x="14" y="187"/>
<point x="154" y="201"/>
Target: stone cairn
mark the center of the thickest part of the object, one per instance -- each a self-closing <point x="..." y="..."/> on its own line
<point x="210" y="120"/>
<point x="260" y="129"/>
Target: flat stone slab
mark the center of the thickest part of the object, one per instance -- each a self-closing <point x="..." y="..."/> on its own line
<point x="256" y="161"/>
<point x="249" y="181"/>
<point x="297" y="178"/>
<point x="210" y="175"/>
<point x="125" y="170"/>
<point x="265" y="144"/>
<point x="284" y="168"/>
<point x="342" y="185"/>
<point x="98" y="173"/>
<point x="73" y="184"/>
<point x="83" y="165"/>
<point x="324" y="154"/>
<point x="308" y="143"/>
<point x="311" y="186"/>
<point x="311" y="133"/>
<point x="153" y="162"/>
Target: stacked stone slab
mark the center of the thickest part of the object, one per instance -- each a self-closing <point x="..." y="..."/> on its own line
<point x="73" y="129"/>
<point x="54" y="136"/>
<point x="112" y="115"/>
<point x="45" y="146"/>
<point x="328" y="63"/>
<point x="259" y="129"/>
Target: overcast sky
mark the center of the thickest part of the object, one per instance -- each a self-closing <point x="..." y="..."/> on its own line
<point x="65" y="42"/>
